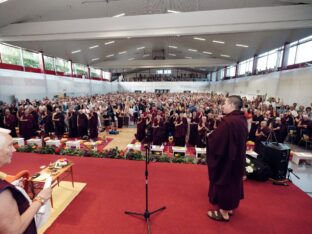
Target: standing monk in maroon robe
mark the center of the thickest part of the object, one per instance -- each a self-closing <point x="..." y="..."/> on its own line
<point x="93" y="125"/>
<point x="226" y="158"/>
<point x="141" y="125"/>
<point x="59" y="124"/>
<point x="82" y="123"/>
<point x="26" y="123"/>
<point x="9" y="122"/>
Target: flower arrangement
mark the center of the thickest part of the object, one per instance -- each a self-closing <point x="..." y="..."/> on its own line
<point x="134" y="155"/>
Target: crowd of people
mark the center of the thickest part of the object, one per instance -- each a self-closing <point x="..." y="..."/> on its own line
<point x="168" y="77"/>
<point x="187" y="117"/>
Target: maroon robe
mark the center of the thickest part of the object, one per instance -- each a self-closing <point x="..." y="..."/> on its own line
<point x="179" y="133"/>
<point x="141" y="125"/>
<point x="193" y="131"/>
<point x="22" y="204"/>
<point x="158" y="132"/>
<point x="10" y="123"/>
<point x="93" y="126"/>
<point x="59" y="124"/>
<point x="82" y="125"/>
<point x="26" y="125"/>
<point x="226" y="159"/>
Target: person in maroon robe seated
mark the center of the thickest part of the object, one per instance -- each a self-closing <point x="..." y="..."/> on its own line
<point x="59" y="124"/>
<point x="93" y="125"/>
<point x="141" y="125"/>
<point x="193" y="129"/>
<point x="82" y="123"/>
<point x="26" y="123"/>
<point x="226" y="159"/>
<point x="9" y="122"/>
<point x="262" y="134"/>
<point x="16" y="214"/>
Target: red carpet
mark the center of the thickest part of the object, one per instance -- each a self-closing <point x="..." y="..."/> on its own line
<point x="114" y="186"/>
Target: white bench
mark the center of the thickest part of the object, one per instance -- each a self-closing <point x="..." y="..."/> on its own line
<point x="301" y="156"/>
<point x="200" y="151"/>
<point x="134" y="147"/>
<point x="19" y="141"/>
<point x="157" y="148"/>
<point x="37" y="142"/>
<point x="73" y="144"/>
<point x="178" y="149"/>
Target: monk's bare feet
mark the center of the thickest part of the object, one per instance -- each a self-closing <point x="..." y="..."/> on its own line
<point x="219" y="215"/>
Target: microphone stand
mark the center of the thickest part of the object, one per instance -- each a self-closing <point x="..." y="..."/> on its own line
<point x="147" y="214"/>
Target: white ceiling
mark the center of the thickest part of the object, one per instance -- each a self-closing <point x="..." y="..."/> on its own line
<point x="14" y="11"/>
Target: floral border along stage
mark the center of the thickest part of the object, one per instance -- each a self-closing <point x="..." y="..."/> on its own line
<point x="114" y="153"/>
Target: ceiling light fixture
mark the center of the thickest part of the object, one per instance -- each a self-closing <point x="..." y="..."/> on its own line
<point x="3" y="1"/>
<point x="207" y="52"/>
<point x="119" y="15"/>
<point x="225" y="55"/>
<point x="219" y="42"/>
<point x="122" y="52"/>
<point x="188" y="57"/>
<point x="199" y="38"/>
<point x="172" y="11"/>
<point x="93" y="47"/>
<point x="141" y="48"/>
<point x="109" y="42"/>
<point x="110" y="55"/>
<point x="131" y="59"/>
<point x="146" y="55"/>
<point x="241" y="45"/>
<point x="95" y="59"/>
<point x="173" y="47"/>
<point x="76" y="51"/>
<point x="192" y="50"/>
<point x="172" y="54"/>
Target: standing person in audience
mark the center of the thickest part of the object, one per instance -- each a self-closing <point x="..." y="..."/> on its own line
<point x="27" y="125"/>
<point x="157" y="130"/>
<point x="72" y="117"/>
<point x="16" y="214"/>
<point x="93" y="125"/>
<point x="179" y="131"/>
<point x="226" y="159"/>
<point x="202" y="132"/>
<point x="59" y="124"/>
<point x="193" y="129"/>
<point x="256" y="120"/>
<point x="82" y="123"/>
<point x="262" y="134"/>
<point x="9" y="122"/>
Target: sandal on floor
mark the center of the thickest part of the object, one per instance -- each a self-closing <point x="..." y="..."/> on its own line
<point x="217" y="216"/>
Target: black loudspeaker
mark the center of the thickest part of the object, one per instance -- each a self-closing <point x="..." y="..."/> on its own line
<point x="276" y="155"/>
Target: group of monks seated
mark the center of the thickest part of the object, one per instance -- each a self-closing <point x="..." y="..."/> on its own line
<point x="187" y="117"/>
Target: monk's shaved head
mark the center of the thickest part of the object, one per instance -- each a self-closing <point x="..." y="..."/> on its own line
<point x="236" y="101"/>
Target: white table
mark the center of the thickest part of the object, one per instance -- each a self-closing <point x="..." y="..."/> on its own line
<point x="200" y="151"/>
<point x="157" y="148"/>
<point x="19" y="141"/>
<point x="56" y="143"/>
<point x="178" y="149"/>
<point x="37" y="142"/>
<point x="301" y="156"/>
<point x="252" y="153"/>
<point x="73" y="144"/>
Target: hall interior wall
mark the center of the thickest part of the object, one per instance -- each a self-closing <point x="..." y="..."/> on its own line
<point x="290" y="85"/>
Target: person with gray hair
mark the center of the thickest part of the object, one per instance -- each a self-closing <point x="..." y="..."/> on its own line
<point x="16" y="214"/>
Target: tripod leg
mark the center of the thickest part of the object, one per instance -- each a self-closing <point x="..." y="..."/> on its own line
<point x="133" y="213"/>
<point x="160" y="209"/>
<point x="148" y="226"/>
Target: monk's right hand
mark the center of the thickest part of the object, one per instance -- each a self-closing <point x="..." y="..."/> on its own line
<point x="45" y="193"/>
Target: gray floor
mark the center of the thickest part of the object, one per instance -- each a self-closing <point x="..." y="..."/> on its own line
<point x="303" y="171"/>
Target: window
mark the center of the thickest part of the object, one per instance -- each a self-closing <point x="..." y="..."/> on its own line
<point x="31" y="59"/>
<point x="304" y="52"/>
<point x="300" y="51"/>
<point x="49" y="63"/>
<point x="10" y="54"/>
<point x="60" y="65"/>
<point x="167" y="72"/>
<point x="95" y="72"/>
<point x="230" y="71"/>
<point x="159" y="72"/>
<point x="79" y="69"/>
<point x="221" y="74"/>
<point x="245" y="67"/>
<point x="214" y="76"/>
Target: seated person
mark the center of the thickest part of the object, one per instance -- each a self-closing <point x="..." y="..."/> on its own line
<point x="16" y="214"/>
